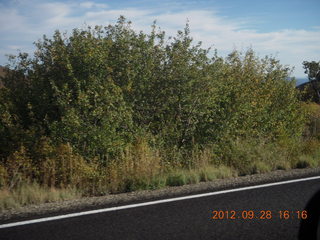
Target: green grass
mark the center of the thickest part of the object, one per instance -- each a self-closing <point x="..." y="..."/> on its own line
<point x="305" y="161"/>
<point x="203" y="174"/>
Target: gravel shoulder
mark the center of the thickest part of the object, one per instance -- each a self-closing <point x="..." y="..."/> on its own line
<point x="82" y="204"/>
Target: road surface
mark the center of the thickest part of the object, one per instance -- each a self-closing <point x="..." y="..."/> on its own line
<point x="241" y="214"/>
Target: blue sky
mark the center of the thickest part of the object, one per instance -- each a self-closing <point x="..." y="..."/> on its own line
<point x="287" y="29"/>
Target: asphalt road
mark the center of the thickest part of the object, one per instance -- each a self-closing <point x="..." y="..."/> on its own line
<point x="190" y="218"/>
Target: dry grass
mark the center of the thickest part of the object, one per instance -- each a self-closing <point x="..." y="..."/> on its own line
<point x="143" y="167"/>
<point x="28" y="194"/>
<point x="136" y="169"/>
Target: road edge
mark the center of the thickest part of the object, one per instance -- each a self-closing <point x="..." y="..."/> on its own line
<point x="112" y="200"/>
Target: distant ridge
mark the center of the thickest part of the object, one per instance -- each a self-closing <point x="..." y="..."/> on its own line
<point x="300" y="81"/>
<point x="302" y="86"/>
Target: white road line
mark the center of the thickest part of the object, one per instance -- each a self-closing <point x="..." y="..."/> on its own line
<point x="152" y="203"/>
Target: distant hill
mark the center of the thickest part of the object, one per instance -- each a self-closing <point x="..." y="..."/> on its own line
<point x="301" y="81"/>
<point x="302" y="86"/>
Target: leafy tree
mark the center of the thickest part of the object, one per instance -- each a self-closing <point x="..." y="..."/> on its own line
<point x="67" y="93"/>
<point x="181" y="90"/>
<point x="312" y="69"/>
<point x="251" y="98"/>
<point x="99" y="88"/>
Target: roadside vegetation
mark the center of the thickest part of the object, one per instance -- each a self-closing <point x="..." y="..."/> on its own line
<point x="107" y="110"/>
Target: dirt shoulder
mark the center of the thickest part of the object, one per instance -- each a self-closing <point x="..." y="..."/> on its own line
<point x="82" y="204"/>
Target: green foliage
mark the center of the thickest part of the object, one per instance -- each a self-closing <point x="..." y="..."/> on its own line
<point x="97" y="87"/>
<point x="109" y="109"/>
<point x="312" y="69"/>
<point x="176" y="179"/>
<point x="312" y="129"/>
<point x="11" y="131"/>
<point x="250" y="156"/>
<point x="68" y="93"/>
<point x="252" y="98"/>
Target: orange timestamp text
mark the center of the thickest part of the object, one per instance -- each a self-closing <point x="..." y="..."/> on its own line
<point x="258" y="214"/>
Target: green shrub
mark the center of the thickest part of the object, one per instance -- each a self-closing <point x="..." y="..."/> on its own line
<point x="207" y="174"/>
<point x="305" y="161"/>
<point x="108" y="109"/>
<point x="157" y="182"/>
<point x="176" y="179"/>
<point x="312" y="129"/>
<point x="261" y="167"/>
<point x="192" y="177"/>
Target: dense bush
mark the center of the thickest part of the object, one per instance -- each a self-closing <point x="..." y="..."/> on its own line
<point x="113" y="108"/>
<point x="313" y="120"/>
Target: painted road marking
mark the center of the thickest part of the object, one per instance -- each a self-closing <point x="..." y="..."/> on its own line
<point x="15" y="224"/>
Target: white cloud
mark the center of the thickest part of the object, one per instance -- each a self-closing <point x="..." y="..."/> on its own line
<point x="14" y="47"/>
<point x="26" y="21"/>
<point x="10" y="20"/>
<point x="93" y="5"/>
